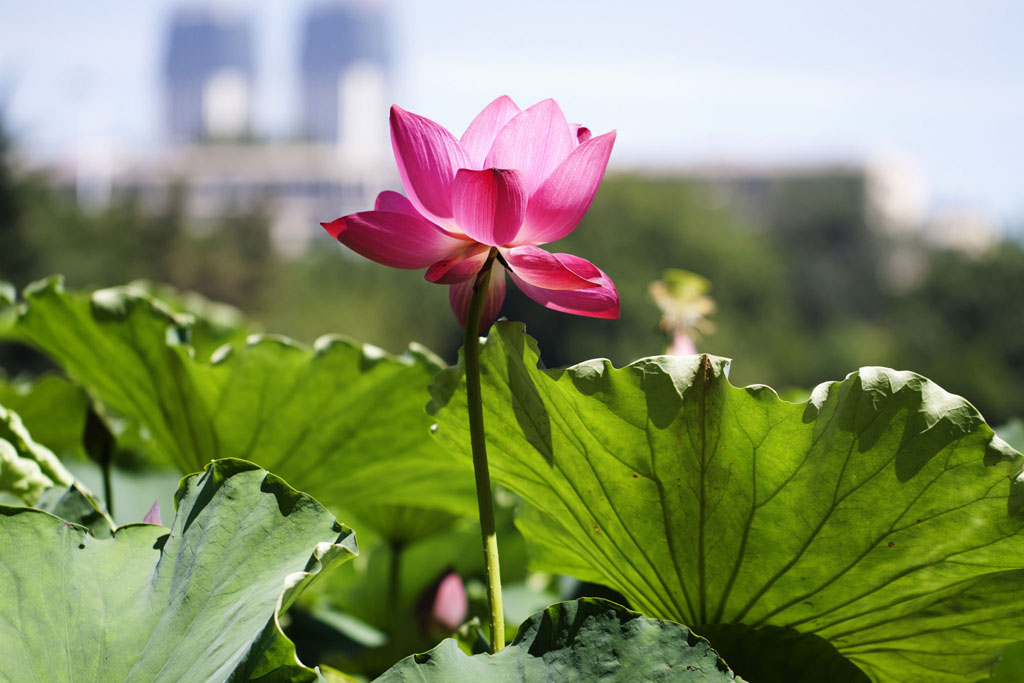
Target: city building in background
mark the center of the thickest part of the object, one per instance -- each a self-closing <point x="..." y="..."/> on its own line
<point x="338" y="155"/>
<point x="208" y="76"/>
<point x="346" y="66"/>
<point x="338" y="158"/>
<point x="298" y="185"/>
<point x="838" y="204"/>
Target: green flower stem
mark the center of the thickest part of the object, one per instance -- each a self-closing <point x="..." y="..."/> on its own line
<point x="108" y="487"/>
<point x="395" y="582"/>
<point x="471" y="352"/>
<point x="99" y="445"/>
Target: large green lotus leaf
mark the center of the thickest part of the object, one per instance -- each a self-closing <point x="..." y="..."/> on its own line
<point x="342" y="421"/>
<point x="213" y="323"/>
<point x="1010" y="668"/>
<point x="584" y="640"/>
<point x="30" y="473"/>
<point x="197" y="602"/>
<point x="76" y="504"/>
<point x="26" y="467"/>
<point x="51" y="408"/>
<point x="882" y="515"/>
<point x="130" y="352"/>
<point x="21" y="480"/>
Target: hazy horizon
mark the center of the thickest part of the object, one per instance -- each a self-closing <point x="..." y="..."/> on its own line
<point x="939" y="87"/>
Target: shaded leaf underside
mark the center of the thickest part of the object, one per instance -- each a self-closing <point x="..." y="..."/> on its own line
<point x="584" y="640"/>
<point x="341" y="408"/>
<point x="882" y="515"/>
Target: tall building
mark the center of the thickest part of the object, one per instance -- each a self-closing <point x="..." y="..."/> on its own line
<point x="208" y="76"/>
<point x="346" y="66"/>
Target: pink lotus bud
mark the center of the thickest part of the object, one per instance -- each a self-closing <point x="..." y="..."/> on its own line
<point x="450" y="602"/>
<point x="153" y="516"/>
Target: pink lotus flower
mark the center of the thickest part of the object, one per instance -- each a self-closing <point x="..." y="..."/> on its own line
<point x="515" y="180"/>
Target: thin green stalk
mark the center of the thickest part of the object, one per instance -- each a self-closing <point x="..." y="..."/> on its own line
<point x="108" y="487"/>
<point x="99" y="445"/>
<point x="395" y="582"/>
<point x="471" y="351"/>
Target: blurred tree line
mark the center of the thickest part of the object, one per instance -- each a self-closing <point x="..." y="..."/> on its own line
<point x="797" y="266"/>
<point x="805" y="285"/>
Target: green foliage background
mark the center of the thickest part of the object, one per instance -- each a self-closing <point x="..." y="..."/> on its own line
<point x="804" y="278"/>
<point x="800" y="270"/>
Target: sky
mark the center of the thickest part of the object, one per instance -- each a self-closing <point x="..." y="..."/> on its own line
<point x="937" y="86"/>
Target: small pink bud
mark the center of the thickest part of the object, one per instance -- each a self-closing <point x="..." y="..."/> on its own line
<point x="153" y="516"/>
<point x="450" y="604"/>
<point x="682" y="345"/>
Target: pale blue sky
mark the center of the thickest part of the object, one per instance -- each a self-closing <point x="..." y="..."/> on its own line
<point x="938" y="83"/>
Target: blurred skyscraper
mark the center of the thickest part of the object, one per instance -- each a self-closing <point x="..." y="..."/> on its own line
<point x="208" y="76"/>
<point x="346" y="66"/>
<point x="342" y="155"/>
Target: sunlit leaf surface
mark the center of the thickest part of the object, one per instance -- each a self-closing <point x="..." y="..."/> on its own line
<point x="197" y="602"/>
<point x="27" y="468"/>
<point x="883" y="515"/>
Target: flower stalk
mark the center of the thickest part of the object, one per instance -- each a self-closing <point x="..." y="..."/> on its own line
<point x="488" y="533"/>
<point x="99" y="445"/>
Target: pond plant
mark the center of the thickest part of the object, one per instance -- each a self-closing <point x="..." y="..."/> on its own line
<point x="515" y="180"/>
<point x="872" y="532"/>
